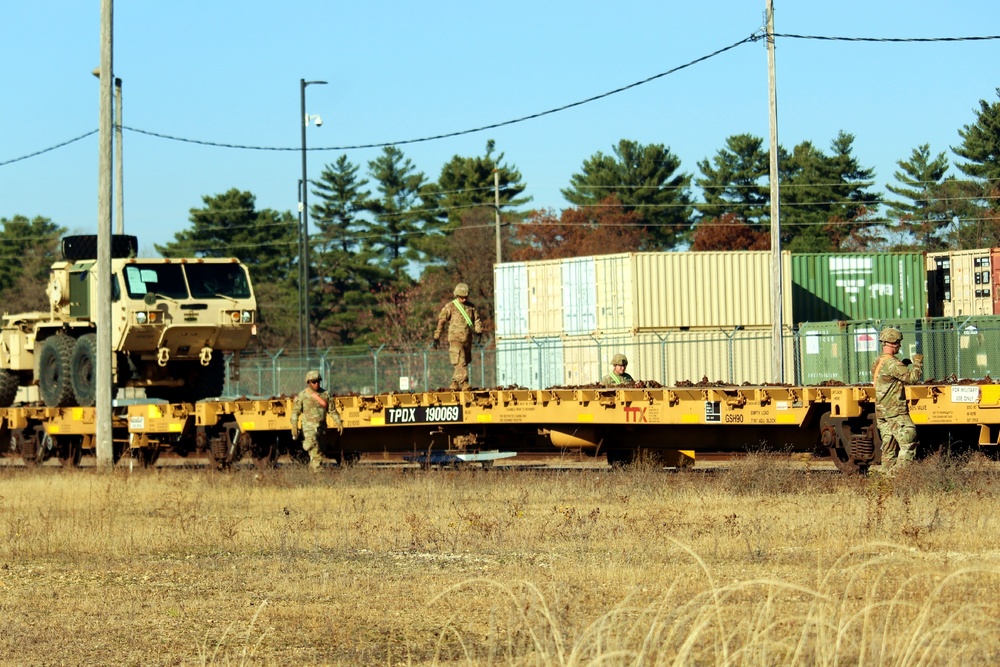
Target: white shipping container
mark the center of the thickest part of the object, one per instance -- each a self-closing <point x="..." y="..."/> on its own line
<point x="672" y="356"/>
<point x="534" y="363"/>
<point x="579" y="297"/>
<point x="511" y="298"/>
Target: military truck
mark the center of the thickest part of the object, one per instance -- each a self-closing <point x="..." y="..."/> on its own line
<point x="173" y="323"/>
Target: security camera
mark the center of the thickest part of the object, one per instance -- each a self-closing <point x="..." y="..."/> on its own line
<point x="319" y="121"/>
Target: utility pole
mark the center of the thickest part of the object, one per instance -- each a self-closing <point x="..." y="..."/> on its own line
<point x="119" y="163"/>
<point x="102" y="379"/>
<point x="496" y="209"/>
<point x="777" y="297"/>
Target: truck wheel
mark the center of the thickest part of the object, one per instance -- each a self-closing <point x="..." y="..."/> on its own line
<point x="83" y="365"/>
<point x="54" y="374"/>
<point x="8" y="388"/>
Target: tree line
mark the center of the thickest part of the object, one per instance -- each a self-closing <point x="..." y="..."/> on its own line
<point x="388" y="244"/>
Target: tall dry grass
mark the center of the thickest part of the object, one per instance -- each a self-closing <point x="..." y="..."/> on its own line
<point x="763" y="562"/>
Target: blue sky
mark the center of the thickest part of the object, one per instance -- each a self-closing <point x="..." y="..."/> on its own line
<point x="228" y="72"/>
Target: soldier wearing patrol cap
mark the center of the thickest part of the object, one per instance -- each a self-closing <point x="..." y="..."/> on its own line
<point x="890" y="377"/>
<point x="462" y="320"/>
<point x="313" y="404"/>
<point x="618" y="375"/>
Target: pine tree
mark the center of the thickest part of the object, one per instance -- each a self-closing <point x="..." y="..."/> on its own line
<point x="736" y="182"/>
<point x="645" y="180"/>
<point x="922" y="215"/>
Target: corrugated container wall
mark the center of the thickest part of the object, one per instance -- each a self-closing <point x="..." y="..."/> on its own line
<point x="533" y="363"/>
<point x="511" y="298"/>
<point x="962" y="282"/>
<point x="858" y="286"/>
<point x="666" y="357"/>
<point x="579" y="299"/>
<point x="703" y="289"/>
<point x="545" y="298"/>
<point x="615" y="292"/>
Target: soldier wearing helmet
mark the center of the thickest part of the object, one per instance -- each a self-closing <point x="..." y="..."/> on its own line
<point x="314" y="404"/>
<point x="618" y="375"/>
<point x="461" y="318"/>
<point x="890" y="377"/>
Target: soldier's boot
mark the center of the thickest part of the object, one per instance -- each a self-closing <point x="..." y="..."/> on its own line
<point x="454" y="386"/>
<point x="465" y="386"/>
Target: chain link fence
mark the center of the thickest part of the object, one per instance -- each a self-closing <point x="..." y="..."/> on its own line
<point x="954" y="349"/>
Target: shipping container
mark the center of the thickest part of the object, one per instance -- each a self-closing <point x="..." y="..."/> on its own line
<point x="702" y="289"/>
<point x="967" y="348"/>
<point x="511" y="299"/>
<point x="579" y="286"/>
<point x="962" y="282"/>
<point x="545" y="298"/>
<point x="615" y="290"/>
<point x="534" y="363"/>
<point x="858" y="286"/>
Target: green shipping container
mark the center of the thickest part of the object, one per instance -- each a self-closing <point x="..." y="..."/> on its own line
<point x="823" y="352"/>
<point x="858" y="286"/>
<point x="964" y="347"/>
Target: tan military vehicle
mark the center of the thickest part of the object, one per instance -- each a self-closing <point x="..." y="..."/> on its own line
<point x="173" y="323"/>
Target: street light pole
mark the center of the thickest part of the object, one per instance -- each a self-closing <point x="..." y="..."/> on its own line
<point x="304" y="207"/>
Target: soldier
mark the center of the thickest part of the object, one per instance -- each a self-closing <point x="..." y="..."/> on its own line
<point x="618" y="375"/>
<point x="890" y="376"/>
<point x="314" y="403"/>
<point x="462" y="319"/>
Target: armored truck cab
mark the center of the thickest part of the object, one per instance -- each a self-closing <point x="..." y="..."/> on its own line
<point x="173" y="322"/>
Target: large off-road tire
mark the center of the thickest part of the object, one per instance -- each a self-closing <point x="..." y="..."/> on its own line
<point x="8" y="388"/>
<point x="83" y="367"/>
<point x="54" y="373"/>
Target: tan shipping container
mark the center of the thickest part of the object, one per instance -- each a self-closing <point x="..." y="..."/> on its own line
<point x="662" y="290"/>
<point x="545" y="298"/>
<point x="961" y="283"/>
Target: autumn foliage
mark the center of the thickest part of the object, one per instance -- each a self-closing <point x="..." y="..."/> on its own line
<point x="729" y="232"/>
<point x="577" y="232"/>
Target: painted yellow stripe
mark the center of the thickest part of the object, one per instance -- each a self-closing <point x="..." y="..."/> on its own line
<point x="919" y="418"/>
<point x="378" y="421"/>
<point x="248" y="426"/>
<point x="585" y="418"/>
<point x="690" y="419"/>
<point x="53" y="428"/>
<point x="175" y="428"/>
<point x="484" y="418"/>
<point x="786" y="419"/>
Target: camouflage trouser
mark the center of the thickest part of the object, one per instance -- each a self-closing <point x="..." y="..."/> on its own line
<point x="460" y="354"/>
<point x="899" y="440"/>
<point x="310" y="443"/>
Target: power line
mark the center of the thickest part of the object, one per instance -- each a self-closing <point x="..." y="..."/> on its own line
<point x="888" y="39"/>
<point x="50" y="148"/>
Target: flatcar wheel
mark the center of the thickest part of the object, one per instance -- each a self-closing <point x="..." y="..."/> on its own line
<point x="30" y="444"/>
<point x="851" y="442"/>
<point x="264" y="453"/>
<point x="69" y="451"/>
<point x="146" y="456"/>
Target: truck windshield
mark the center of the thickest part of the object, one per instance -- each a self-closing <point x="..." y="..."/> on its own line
<point x="212" y="281"/>
<point x="163" y="279"/>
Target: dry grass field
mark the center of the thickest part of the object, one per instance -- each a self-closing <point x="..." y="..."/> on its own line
<point x="761" y="562"/>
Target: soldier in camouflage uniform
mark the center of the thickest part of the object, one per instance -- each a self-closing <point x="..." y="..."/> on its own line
<point x="618" y="375"/>
<point x="890" y="376"/>
<point x="462" y="319"/>
<point x="313" y="404"/>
